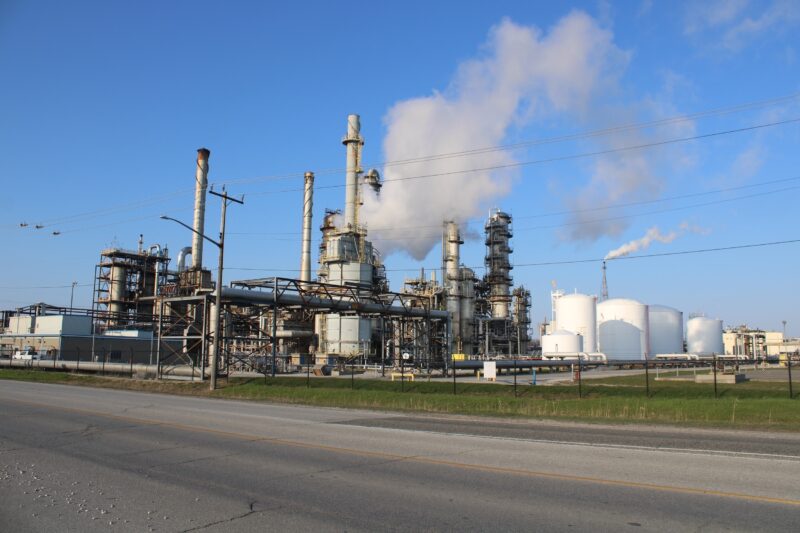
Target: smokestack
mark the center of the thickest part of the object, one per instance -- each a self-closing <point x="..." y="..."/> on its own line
<point x="353" y="143"/>
<point x="305" y="253"/>
<point x="451" y="241"/>
<point x="201" y="183"/>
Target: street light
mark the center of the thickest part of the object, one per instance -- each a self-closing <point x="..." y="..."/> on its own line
<point x="218" y="291"/>
<point x="72" y="296"/>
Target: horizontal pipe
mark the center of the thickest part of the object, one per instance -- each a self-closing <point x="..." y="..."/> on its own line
<point x="268" y="298"/>
<point x="95" y="366"/>
<point x="538" y="363"/>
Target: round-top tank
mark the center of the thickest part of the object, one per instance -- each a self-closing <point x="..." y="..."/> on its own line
<point x="561" y="341"/>
<point x="666" y="330"/>
<point x="704" y="336"/>
<point x="623" y="329"/>
<point x="578" y="313"/>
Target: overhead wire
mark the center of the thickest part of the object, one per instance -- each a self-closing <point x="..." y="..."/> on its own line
<point x="575" y="136"/>
<point x="578" y="211"/>
<point x="551" y="140"/>
<point x="579" y="261"/>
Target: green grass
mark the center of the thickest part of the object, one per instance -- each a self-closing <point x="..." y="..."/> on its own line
<point x="758" y="405"/>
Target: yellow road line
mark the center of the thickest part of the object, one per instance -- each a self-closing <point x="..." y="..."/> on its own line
<point x="423" y="460"/>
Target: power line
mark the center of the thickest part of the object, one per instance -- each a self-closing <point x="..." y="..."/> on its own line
<point x="579" y="261"/>
<point x="606" y="207"/>
<point x="9" y="288"/>
<point x="570" y="157"/>
<point x="607" y="219"/>
<point x="663" y="254"/>
<point x="158" y="199"/>
<point x="546" y="140"/>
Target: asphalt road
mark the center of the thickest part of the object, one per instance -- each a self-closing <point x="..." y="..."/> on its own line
<point x="82" y="459"/>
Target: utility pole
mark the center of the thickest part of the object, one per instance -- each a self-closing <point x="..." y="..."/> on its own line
<point x="218" y="296"/>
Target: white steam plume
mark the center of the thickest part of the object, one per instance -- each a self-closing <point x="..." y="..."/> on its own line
<point x="642" y="243"/>
<point x="524" y="69"/>
<point x="653" y="235"/>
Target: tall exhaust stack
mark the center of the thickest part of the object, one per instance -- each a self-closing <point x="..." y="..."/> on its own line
<point x="353" y="142"/>
<point x="201" y="184"/>
<point x="308" y="202"/>
<point x="451" y="242"/>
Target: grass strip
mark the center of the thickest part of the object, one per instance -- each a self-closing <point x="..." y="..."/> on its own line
<point x="752" y="405"/>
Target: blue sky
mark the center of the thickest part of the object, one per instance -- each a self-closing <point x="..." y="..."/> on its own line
<point x="103" y="105"/>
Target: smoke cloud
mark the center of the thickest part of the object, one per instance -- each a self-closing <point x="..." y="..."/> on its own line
<point x="642" y="243"/>
<point x="653" y="235"/>
<point x="522" y="71"/>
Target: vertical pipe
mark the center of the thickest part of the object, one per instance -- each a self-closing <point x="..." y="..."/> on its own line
<point x="305" y="254"/>
<point x="353" y="143"/>
<point x="201" y="183"/>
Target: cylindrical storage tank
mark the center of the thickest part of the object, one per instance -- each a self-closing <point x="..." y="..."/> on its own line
<point x="117" y="293"/>
<point x="704" y="336"/>
<point x="666" y="330"/>
<point x="561" y="341"/>
<point x="578" y="313"/>
<point x="623" y="329"/>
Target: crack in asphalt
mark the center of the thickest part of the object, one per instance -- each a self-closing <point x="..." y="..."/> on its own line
<point x="251" y="505"/>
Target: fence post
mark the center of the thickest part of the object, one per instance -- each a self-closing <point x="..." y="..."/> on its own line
<point x="453" y="363"/>
<point x="715" y="375"/>
<point x="402" y="373"/>
<point x="647" y="378"/>
<point x="352" y="373"/>
<point x="515" y="377"/>
<point x="789" y="368"/>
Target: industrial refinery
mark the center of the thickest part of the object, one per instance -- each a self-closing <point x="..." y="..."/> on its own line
<point x="150" y="311"/>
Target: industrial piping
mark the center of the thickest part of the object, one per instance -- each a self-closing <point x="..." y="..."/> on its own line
<point x="268" y="298"/>
<point x="201" y="183"/>
<point x="186" y="250"/>
<point x="308" y="204"/>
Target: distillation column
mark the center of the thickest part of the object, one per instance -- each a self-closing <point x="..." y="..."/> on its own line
<point x="522" y="320"/>
<point x="498" y="265"/>
<point x="452" y="280"/>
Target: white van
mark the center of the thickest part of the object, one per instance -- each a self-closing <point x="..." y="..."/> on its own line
<point x="29" y="353"/>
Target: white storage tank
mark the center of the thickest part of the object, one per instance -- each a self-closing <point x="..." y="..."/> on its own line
<point x="578" y="313"/>
<point x="561" y="341"/>
<point x="666" y="330"/>
<point x="704" y="336"/>
<point x="623" y="329"/>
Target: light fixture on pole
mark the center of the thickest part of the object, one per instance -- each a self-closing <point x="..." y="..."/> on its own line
<point x="214" y="364"/>
<point x="72" y="295"/>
